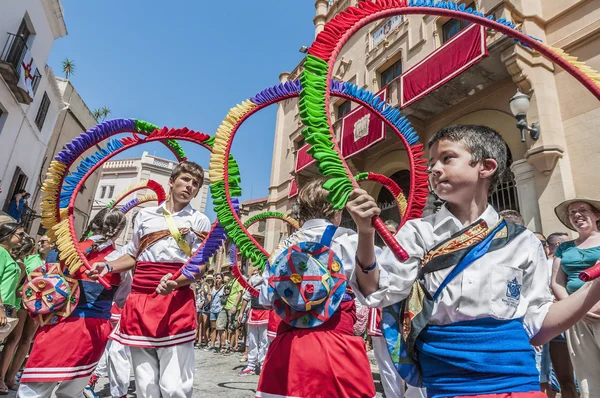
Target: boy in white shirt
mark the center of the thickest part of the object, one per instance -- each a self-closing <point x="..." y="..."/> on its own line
<point x="160" y="330"/>
<point x="472" y="297"/>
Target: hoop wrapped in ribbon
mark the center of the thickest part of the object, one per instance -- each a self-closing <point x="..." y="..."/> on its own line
<point x="317" y="85"/>
<point x="391" y="186"/>
<point x="61" y="187"/>
<point x="219" y="166"/>
<point x="159" y="194"/>
<point x="233" y="253"/>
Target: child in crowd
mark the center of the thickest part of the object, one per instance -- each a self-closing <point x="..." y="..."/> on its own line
<point x="472" y="280"/>
<point x="315" y="352"/>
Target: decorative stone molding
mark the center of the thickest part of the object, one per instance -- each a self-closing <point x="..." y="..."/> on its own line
<point x="544" y="157"/>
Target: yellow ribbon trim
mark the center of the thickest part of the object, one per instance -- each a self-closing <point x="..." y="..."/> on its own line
<point x="181" y="242"/>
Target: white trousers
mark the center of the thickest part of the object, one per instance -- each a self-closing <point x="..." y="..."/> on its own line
<point x="66" y="389"/>
<point x="390" y="379"/>
<point x="119" y="368"/>
<point x="164" y="372"/>
<point x="257" y="342"/>
<point x="583" y="340"/>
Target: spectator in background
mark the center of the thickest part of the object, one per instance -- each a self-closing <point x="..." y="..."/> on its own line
<point x="15" y="207"/>
<point x="203" y="310"/>
<point x="216" y="306"/>
<point x="559" y="352"/>
<point x="25" y="250"/>
<point x="30" y="326"/>
<point x="228" y="319"/>
<point x="583" y="338"/>
<point x="392" y="226"/>
<point x="11" y="237"/>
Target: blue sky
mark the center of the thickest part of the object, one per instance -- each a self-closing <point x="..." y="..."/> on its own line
<point x="186" y="63"/>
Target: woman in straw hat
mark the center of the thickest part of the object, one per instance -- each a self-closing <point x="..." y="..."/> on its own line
<point x="583" y="216"/>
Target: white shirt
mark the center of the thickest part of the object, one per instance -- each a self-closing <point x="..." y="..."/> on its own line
<point x="480" y="291"/>
<point x="152" y="219"/>
<point x="343" y="244"/>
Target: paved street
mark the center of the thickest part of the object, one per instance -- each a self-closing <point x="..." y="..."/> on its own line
<point x="216" y="376"/>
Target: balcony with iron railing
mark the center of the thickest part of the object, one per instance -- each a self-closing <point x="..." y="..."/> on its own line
<point x="11" y="59"/>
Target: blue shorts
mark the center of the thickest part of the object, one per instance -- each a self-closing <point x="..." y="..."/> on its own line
<point x="214" y="316"/>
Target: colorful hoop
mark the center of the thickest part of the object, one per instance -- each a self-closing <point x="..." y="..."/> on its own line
<point x="219" y="168"/>
<point x="58" y="201"/>
<point x="233" y="252"/>
<point x="159" y="191"/>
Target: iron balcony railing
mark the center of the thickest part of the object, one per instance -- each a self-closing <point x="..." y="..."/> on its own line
<point x="14" y="51"/>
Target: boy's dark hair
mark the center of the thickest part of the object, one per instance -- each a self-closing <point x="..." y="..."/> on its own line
<point x="312" y="201"/>
<point x="513" y="216"/>
<point x="553" y="237"/>
<point x="190" y="168"/>
<point x="483" y="143"/>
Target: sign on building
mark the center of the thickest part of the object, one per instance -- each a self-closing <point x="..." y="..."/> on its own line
<point x="388" y="27"/>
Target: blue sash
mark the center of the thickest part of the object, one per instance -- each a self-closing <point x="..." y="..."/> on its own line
<point x="483" y="356"/>
<point x="94" y="301"/>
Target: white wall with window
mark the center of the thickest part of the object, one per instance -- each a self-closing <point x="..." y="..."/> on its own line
<point x="28" y="29"/>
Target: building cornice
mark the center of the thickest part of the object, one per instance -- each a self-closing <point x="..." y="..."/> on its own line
<point x="54" y="13"/>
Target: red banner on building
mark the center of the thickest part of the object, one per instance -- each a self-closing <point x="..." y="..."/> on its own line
<point x="444" y="64"/>
<point x="362" y="129"/>
<point x="303" y="159"/>
<point x="293" y="189"/>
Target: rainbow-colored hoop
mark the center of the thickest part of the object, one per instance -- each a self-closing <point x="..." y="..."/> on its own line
<point x="317" y="89"/>
<point x="219" y="168"/>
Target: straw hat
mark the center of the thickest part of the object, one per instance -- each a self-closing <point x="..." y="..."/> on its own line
<point x="562" y="210"/>
<point x="5" y="219"/>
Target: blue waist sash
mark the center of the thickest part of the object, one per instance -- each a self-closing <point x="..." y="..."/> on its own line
<point x="94" y="301"/>
<point x="483" y="356"/>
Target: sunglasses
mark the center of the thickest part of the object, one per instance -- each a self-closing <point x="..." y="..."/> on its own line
<point x="44" y="241"/>
<point x="21" y="235"/>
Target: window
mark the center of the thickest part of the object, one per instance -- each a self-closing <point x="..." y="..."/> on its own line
<point x="391" y="73"/>
<point x="42" y="111"/>
<point x="343" y="109"/>
<point x="111" y="190"/>
<point x="103" y="193"/>
<point x="262" y="225"/>
<point x="300" y="143"/>
<point x="36" y="81"/>
<point x="454" y="26"/>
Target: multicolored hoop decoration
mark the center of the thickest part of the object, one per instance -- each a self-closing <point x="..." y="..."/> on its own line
<point x="57" y="204"/>
<point x="133" y="203"/>
<point x="316" y="78"/>
<point x="233" y="252"/>
<point x="154" y="186"/>
<point x="392" y="187"/>
<point x="219" y="168"/>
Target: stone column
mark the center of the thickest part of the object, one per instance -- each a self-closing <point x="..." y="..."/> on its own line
<point x="526" y="192"/>
<point x="321" y="7"/>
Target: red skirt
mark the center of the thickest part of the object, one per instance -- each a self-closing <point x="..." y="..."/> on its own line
<point x="155" y="321"/>
<point x="258" y="317"/>
<point x="67" y="350"/>
<point x="327" y="361"/>
<point x="274" y="321"/>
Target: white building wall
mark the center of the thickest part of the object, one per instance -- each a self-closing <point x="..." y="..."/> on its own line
<point x="22" y="144"/>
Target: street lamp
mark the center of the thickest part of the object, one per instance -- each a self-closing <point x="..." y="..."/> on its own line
<point x="519" y="105"/>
